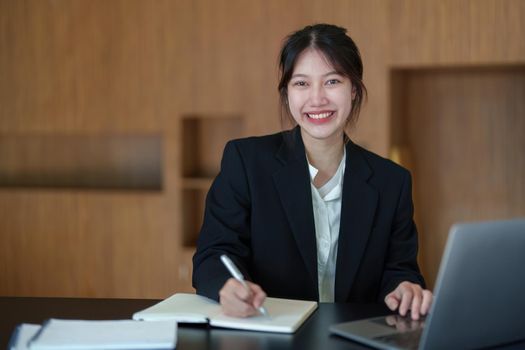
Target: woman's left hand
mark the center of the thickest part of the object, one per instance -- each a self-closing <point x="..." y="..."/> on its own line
<point x="409" y="296"/>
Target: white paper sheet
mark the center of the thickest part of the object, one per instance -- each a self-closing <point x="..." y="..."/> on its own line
<point x="120" y="334"/>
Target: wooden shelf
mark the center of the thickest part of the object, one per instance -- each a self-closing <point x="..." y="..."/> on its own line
<point x="203" y="140"/>
<point x="81" y="161"/>
<point x="197" y="183"/>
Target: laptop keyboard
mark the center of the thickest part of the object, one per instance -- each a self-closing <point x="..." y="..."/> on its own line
<point x="406" y="340"/>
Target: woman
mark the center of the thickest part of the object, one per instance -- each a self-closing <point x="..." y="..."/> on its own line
<point x="306" y="213"/>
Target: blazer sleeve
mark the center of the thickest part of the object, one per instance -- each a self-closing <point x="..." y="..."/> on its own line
<point x="226" y="226"/>
<point x="401" y="261"/>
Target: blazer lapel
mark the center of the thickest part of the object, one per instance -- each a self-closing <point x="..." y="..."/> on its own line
<point x="357" y="215"/>
<point x="293" y="185"/>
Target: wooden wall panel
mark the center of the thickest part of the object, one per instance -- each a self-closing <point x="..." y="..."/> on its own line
<point x="135" y="67"/>
<point x="456" y="32"/>
<point x="80" y="65"/>
<point x="94" y="244"/>
<point x="460" y="34"/>
<point x="465" y="132"/>
<point x="367" y="23"/>
<point x="97" y="69"/>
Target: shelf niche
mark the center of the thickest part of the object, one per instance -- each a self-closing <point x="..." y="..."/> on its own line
<point x="461" y="132"/>
<point x="81" y="161"/>
<point x="203" y="139"/>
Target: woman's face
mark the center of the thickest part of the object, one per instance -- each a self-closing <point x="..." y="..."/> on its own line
<point x="320" y="99"/>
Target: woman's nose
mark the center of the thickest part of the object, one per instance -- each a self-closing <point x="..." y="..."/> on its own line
<point x="318" y="95"/>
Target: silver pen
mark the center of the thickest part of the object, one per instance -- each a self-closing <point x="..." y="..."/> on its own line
<point x="239" y="277"/>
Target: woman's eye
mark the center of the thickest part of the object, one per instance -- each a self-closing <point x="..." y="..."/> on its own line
<point x="299" y="83"/>
<point x="333" y="82"/>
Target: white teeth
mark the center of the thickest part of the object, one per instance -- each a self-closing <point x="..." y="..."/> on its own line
<point x="320" y="115"/>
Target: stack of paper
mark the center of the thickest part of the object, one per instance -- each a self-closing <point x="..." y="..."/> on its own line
<point x="78" y="334"/>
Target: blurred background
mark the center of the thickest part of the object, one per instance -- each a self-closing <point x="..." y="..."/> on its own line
<point x="114" y="114"/>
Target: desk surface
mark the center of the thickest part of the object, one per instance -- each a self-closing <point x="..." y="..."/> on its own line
<point x="312" y="335"/>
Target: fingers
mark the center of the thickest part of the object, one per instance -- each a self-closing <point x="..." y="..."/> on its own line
<point x="258" y="295"/>
<point x="392" y="299"/>
<point x="409" y="296"/>
<point x="406" y="299"/>
<point x="392" y="303"/>
<point x="416" y="304"/>
<point x="427" y="301"/>
<point x="238" y="301"/>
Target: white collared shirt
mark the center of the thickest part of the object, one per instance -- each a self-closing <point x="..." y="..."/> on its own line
<point x="327" y="216"/>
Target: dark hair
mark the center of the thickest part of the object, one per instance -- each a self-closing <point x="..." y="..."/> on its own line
<point x="338" y="48"/>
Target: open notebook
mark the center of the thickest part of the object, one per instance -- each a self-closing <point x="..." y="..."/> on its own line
<point x="284" y="315"/>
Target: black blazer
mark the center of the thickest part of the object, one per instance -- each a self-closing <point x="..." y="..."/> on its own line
<point x="259" y="211"/>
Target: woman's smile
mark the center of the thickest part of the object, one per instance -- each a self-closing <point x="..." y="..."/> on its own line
<point x="320" y="117"/>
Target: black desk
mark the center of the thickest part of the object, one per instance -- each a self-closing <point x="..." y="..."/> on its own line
<point x="312" y="335"/>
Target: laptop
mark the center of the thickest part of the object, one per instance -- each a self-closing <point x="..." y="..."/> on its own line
<point x="479" y="298"/>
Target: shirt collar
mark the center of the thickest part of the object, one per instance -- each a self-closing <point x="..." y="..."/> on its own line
<point x="333" y="188"/>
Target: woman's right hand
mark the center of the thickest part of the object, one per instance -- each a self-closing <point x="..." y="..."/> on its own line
<point x="238" y="301"/>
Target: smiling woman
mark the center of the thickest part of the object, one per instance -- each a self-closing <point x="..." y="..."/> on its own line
<point x="339" y="54"/>
<point x="320" y="98"/>
<point x="306" y="213"/>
